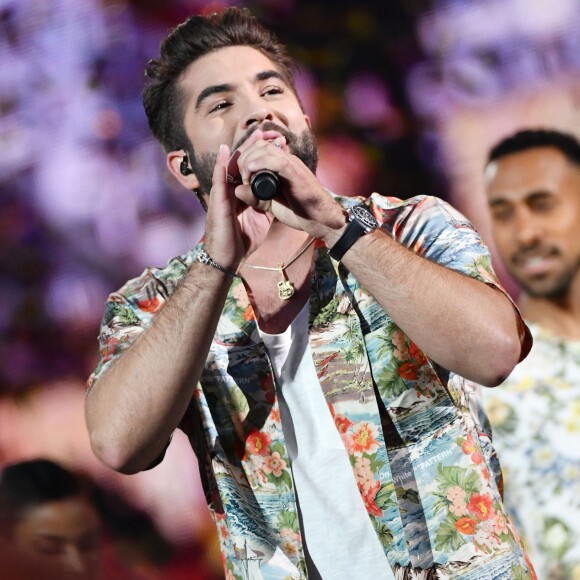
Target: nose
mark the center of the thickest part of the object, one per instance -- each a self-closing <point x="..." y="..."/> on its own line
<point x="528" y="229"/>
<point x="73" y="562"/>
<point x="257" y="111"/>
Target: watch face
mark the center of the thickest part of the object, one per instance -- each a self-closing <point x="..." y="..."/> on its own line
<point x="362" y="214"/>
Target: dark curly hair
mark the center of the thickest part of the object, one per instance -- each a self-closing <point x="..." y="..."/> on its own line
<point x="163" y="98"/>
<point x="533" y="138"/>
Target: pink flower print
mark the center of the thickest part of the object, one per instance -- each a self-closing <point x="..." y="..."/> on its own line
<point x="456" y="495"/>
<point x="456" y="492"/>
<point x="274" y="464"/>
<point x="399" y="341"/>
<point x="500" y="524"/>
<point x="485" y="537"/>
<point x="362" y="470"/>
<point x="255" y="472"/>
<point x="290" y="534"/>
<point x="458" y="509"/>
<point x="364" y="438"/>
<point x="369" y="494"/>
<point x="290" y="548"/>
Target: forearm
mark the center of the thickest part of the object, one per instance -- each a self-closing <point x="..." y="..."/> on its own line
<point x="462" y="324"/>
<point x="137" y="403"/>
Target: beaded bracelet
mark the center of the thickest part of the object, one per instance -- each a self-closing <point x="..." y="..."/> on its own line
<point x="205" y="258"/>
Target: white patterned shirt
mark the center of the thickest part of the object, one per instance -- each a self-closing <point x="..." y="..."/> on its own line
<point x="535" y="417"/>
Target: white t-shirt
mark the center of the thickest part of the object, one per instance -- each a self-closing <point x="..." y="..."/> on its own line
<point x="339" y="537"/>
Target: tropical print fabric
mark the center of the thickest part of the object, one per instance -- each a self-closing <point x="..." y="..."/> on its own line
<point x="412" y="440"/>
<point x="535" y="417"/>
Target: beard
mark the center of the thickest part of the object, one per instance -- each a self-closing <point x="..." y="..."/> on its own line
<point x="303" y="146"/>
<point x="555" y="289"/>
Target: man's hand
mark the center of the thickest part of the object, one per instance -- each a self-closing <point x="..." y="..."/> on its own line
<point x="233" y="229"/>
<point x="302" y="204"/>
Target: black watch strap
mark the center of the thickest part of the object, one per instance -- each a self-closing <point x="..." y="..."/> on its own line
<point x="351" y="234"/>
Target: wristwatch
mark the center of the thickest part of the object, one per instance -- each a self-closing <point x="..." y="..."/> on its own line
<point x="361" y="221"/>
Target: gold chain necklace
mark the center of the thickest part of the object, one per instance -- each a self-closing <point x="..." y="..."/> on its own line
<point x="285" y="288"/>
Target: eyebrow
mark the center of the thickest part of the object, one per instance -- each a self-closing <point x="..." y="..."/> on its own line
<point x="529" y="197"/>
<point x="48" y="536"/>
<point x="227" y="87"/>
<point x="209" y="91"/>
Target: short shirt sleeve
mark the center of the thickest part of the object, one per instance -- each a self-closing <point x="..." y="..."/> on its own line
<point x="435" y="230"/>
<point x="132" y="309"/>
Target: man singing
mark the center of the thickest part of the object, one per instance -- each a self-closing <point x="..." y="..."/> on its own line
<point x="312" y="348"/>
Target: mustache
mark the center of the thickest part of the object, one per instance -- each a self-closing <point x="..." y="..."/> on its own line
<point x="267" y="126"/>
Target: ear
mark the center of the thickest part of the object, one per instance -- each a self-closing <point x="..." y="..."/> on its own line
<point x="174" y="160"/>
<point x="308" y="121"/>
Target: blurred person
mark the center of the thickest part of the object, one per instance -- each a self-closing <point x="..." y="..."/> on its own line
<point x="49" y="525"/>
<point x="533" y="191"/>
<point x="312" y="347"/>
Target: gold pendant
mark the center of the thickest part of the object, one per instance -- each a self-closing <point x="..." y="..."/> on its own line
<point x="285" y="288"/>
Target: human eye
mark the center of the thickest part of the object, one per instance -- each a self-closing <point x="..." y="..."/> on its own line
<point x="542" y="204"/>
<point x="90" y="543"/>
<point x="220" y="106"/>
<point x="48" y="546"/>
<point x="272" y="90"/>
<point x="501" y="212"/>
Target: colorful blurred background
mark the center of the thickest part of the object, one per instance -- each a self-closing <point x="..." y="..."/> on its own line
<point x="406" y="97"/>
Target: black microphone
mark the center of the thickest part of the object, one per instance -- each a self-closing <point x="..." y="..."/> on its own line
<point x="265" y="184"/>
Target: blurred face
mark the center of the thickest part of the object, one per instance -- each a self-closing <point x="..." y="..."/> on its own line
<point x="63" y="538"/>
<point x="230" y="93"/>
<point x="534" y="197"/>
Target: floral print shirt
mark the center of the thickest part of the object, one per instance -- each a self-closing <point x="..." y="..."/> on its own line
<point x="417" y="455"/>
<point x="535" y="417"/>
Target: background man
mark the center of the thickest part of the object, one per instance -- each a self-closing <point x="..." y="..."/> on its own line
<point x="312" y="348"/>
<point x="49" y="526"/>
<point x="533" y="188"/>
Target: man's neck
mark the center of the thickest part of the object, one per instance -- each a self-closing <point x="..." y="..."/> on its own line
<point x="282" y="244"/>
<point x="561" y="316"/>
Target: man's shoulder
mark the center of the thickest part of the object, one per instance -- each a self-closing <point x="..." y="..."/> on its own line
<point x="387" y="202"/>
<point x="389" y="209"/>
<point x="158" y="280"/>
